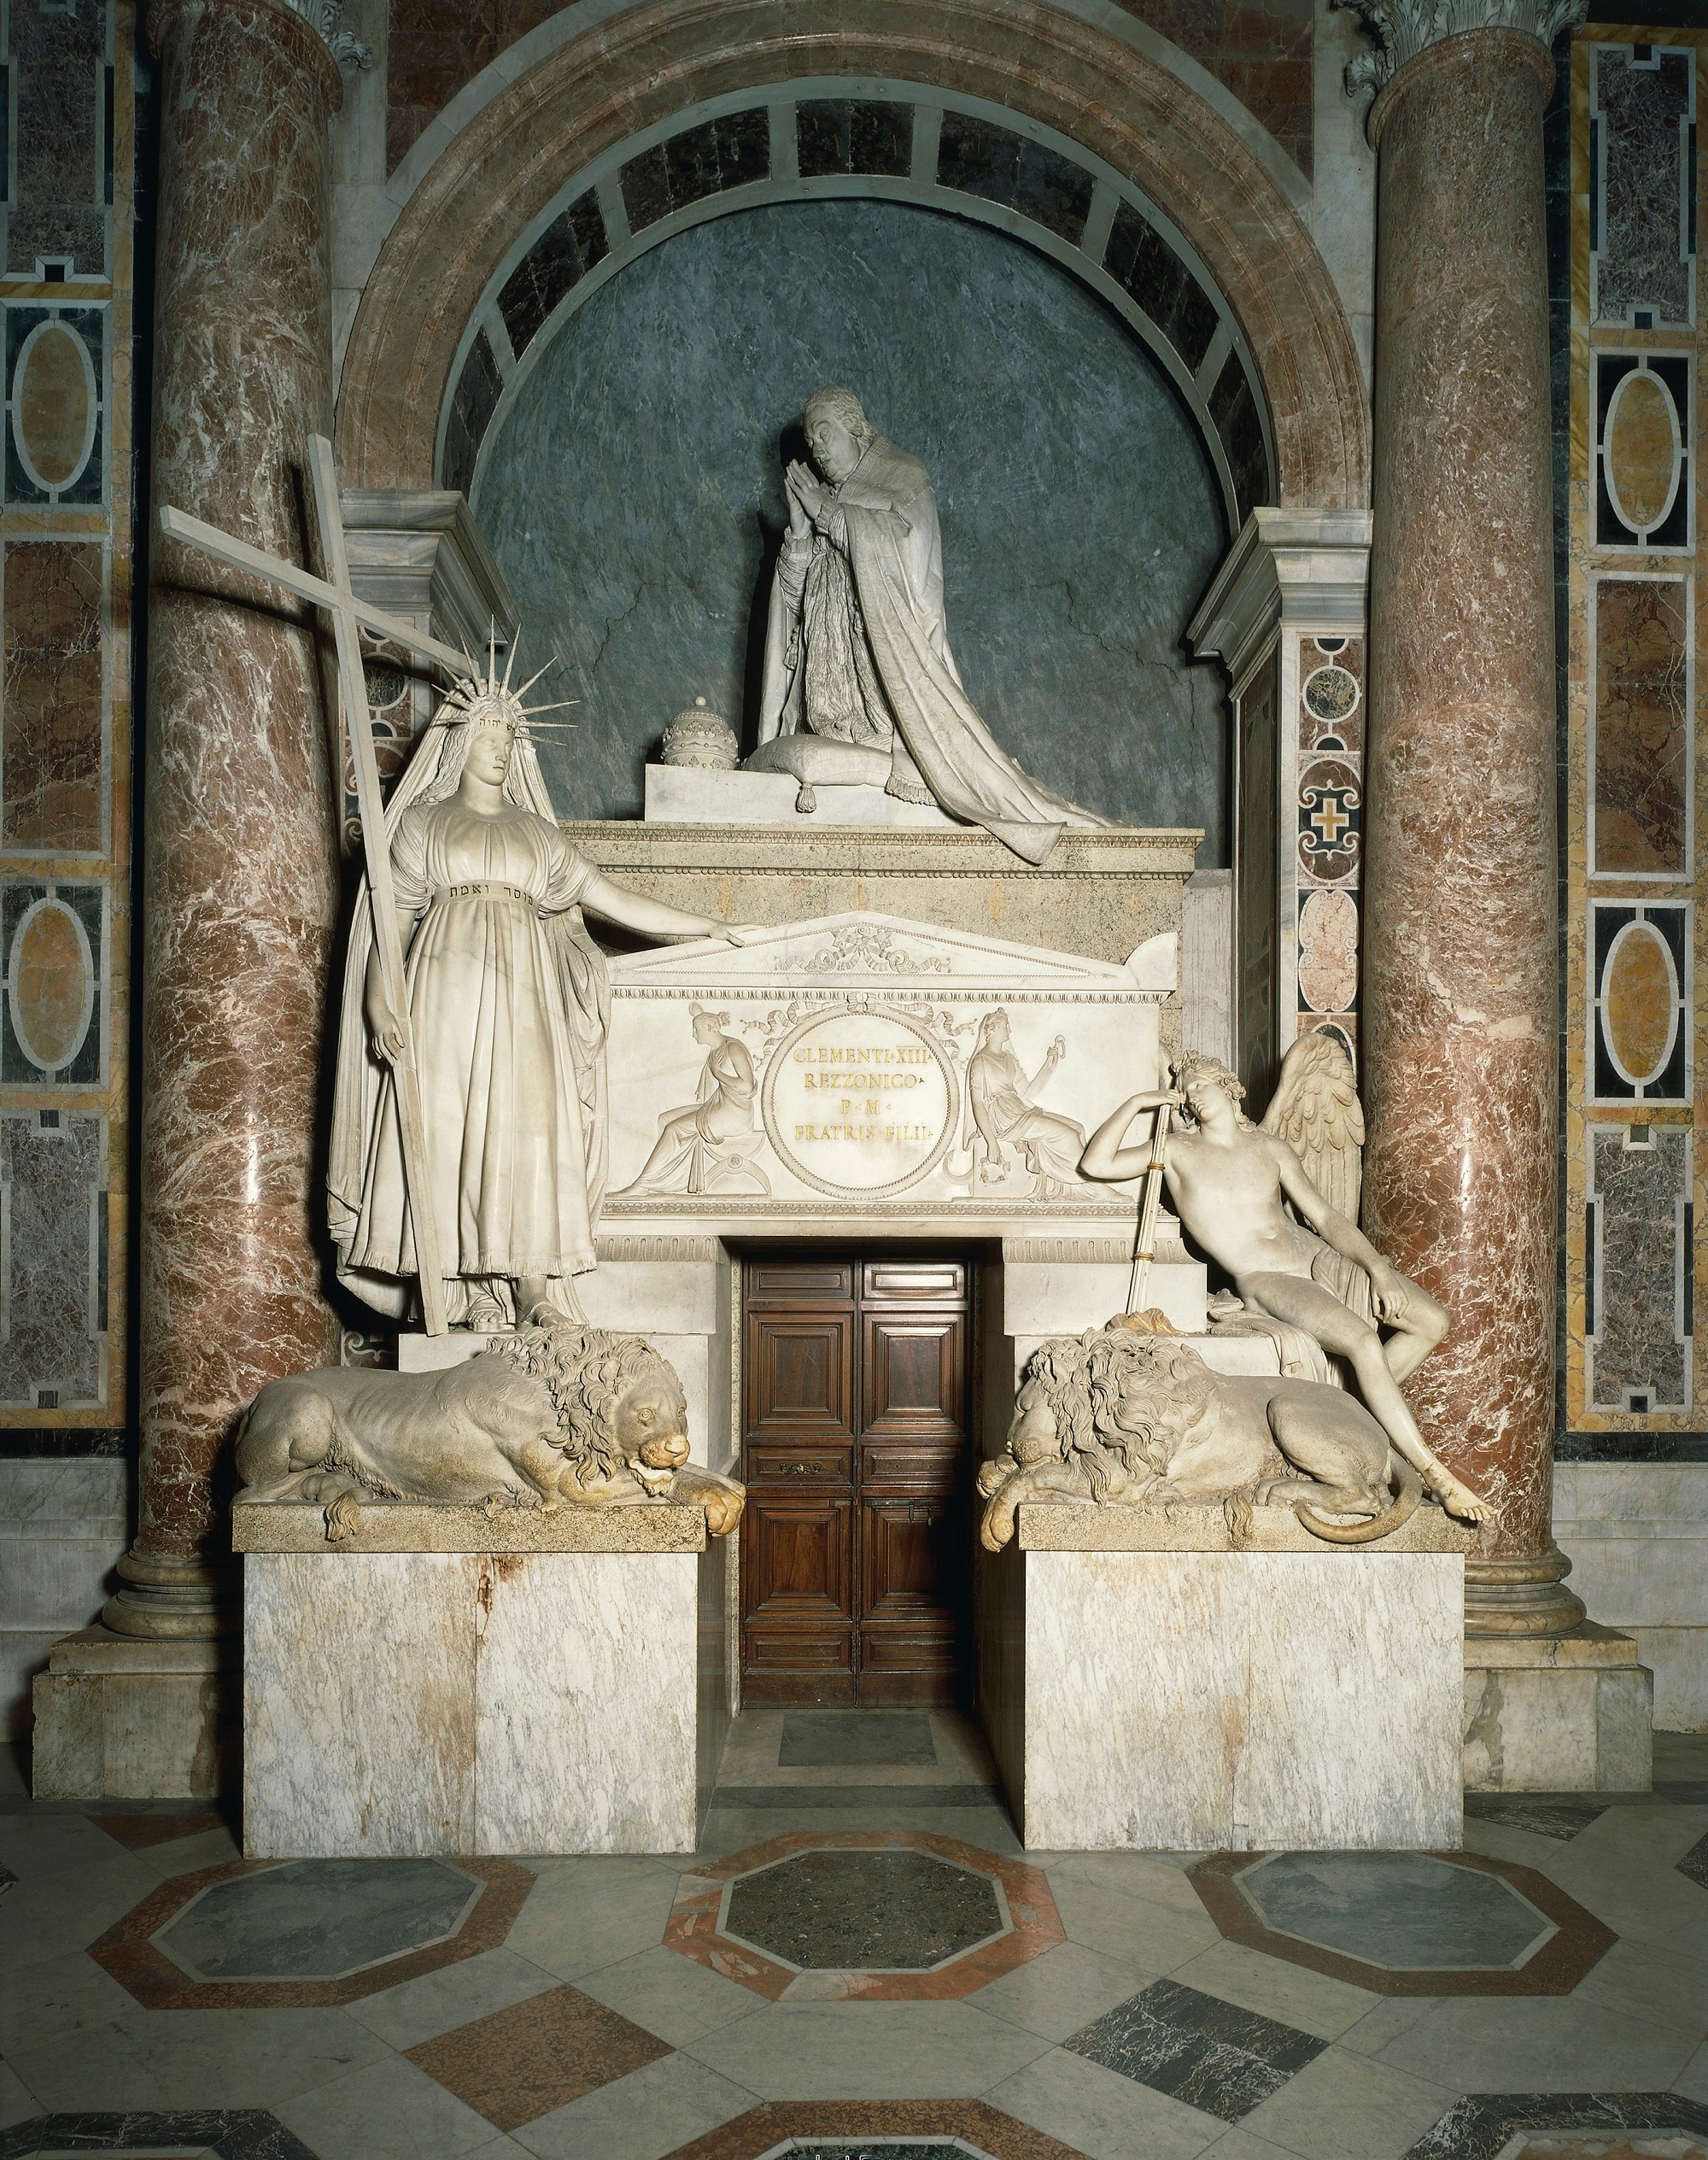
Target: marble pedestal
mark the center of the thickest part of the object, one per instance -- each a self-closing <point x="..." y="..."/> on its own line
<point x="1193" y="1700"/>
<point x="449" y="1683"/>
<point x="1561" y="1713"/>
<point x="123" y="1717"/>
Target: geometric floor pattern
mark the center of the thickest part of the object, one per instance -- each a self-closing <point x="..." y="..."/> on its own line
<point x="887" y="1915"/>
<point x="930" y="1992"/>
<point x="1406" y="1924"/>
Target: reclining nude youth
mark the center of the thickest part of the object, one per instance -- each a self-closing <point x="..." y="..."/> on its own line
<point x="1228" y="1179"/>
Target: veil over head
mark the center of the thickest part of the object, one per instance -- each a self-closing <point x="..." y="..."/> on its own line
<point x="433" y="775"/>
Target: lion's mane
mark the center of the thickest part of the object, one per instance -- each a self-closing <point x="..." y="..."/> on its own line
<point x="1121" y="1401"/>
<point x="587" y="1372"/>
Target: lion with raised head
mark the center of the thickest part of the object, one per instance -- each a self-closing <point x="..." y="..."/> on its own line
<point x="1127" y="1418"/>
<point x="550" y="1417"/>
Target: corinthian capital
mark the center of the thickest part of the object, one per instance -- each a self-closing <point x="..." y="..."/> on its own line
<point x="1402" y="28"/>
<point x="326" y="16"/>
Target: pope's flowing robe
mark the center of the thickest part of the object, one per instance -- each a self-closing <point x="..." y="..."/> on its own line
<point x="856" y="649"/>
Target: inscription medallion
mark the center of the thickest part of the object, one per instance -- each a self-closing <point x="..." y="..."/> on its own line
<point x="860" y="1102"/>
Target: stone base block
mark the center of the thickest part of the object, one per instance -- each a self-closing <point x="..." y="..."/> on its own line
<point x="123" y="1717"/>
<point x="480" y="1702"/>
<point x="1570" y="1713"/>
<point x="1224" y="1700"/>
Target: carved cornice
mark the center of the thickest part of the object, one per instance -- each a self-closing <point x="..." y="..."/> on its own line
<point x="1404" y="28"/>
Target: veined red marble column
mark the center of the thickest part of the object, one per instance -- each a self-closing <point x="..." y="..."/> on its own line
<point x="240" y="881"/>
<point x="1460" y="961"/>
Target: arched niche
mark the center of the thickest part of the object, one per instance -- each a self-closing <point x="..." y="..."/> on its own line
<point x="630" y="487"/>
<point x="833" y="138"/>
<point x="629" y="86"/>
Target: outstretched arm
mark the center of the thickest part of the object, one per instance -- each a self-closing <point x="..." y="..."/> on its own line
<point x="1105" y="1159"/>
<point x="656" y="918"/>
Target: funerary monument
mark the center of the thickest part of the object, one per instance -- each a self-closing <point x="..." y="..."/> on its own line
<point x="757" y="1190"/>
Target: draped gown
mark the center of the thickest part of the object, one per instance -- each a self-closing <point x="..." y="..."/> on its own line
<point x="502" y="999"/>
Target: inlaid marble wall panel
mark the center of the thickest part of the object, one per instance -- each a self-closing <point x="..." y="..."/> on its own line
<point x="56" y="403"/>
<point x="1638" y="1312"/>
<point x="1330" y="846"/>
<point x="1634" y="1106"/>
<point x="54" y="1290"/>
<point x="59" y="56"/>
<point x="66" y="510"/>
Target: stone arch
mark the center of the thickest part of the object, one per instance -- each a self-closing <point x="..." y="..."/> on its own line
<point x="652" y="73"/>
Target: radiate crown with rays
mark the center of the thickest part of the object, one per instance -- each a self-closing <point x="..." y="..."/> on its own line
<point x="480" y="699"/>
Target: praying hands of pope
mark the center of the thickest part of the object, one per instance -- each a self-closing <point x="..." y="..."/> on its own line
<point x="808" y="498"/>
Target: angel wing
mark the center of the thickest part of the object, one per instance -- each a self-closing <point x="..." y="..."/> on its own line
<point x="1315" y="1108"/>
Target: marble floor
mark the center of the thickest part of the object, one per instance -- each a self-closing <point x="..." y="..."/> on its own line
<point x="862" y="1965"/>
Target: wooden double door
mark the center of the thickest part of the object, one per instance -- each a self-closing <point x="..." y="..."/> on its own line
<point x="859" y="1461"/>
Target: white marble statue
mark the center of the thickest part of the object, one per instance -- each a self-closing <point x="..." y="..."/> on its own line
<point x="860" y="686"/>
<point x="548" y="1418"/>
<point x="1002" y="1108"/>
<point x="508" y="1002"/>
<point x="1140" y="1420"/>
<point x="1243" y="1193"/>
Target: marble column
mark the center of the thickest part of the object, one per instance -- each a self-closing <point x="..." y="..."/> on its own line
<point x="1461" y="967"/>
<point x="240" y="878"/>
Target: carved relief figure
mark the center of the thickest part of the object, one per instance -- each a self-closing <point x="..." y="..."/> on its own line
<point x="1002" y="1104"/>
<point x="549" y="1418"/>
<point x="860" y="685"/>
<point x="1243" y="1194"/>
<point x="1130" y="1418"/>
<point x="508" y="1001"/>
<point x="712" y="1141"/>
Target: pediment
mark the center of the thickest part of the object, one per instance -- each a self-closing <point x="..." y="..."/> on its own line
<point x="866" y="951"/>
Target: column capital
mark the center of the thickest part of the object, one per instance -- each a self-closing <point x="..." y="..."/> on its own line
<point x="325" y="18"/>
<point x="1404" y="28"/>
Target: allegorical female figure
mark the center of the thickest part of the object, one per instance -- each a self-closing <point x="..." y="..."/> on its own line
<point x="508" y="1001"/>
<point x="1000" y="1099"/>
<point x="697" y="1131"/>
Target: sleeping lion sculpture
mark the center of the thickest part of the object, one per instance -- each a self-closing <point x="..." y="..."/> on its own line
<point x="548" y="1418"/>
<point x="1142" y="1419"/>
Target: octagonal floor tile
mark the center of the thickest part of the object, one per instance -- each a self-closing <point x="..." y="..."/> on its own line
<point x="883" y="1916"/>
<point x="1406" y="1923"/>
<point x="1402" y="1911"/>
<point x="842" y="1911"/>
<point x="300" y="1934"/>
<point x="318" y="1919"/>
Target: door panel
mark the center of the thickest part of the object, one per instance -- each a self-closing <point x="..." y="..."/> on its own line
<point x="884" y="1282"/>
<point x="912" y="1370"/>
<point x="772" y="1283"/>
<point x="801" y="1375"/>
<point x="855" y="1566"/>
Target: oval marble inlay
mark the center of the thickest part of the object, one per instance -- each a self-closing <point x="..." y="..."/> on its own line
<point x="1639" y="1003"/>
<point x="51" y="985"/>
<point x="1328" y="951"/>
<point x="1331" y="692"/>
<point x="1641" y="451"/>
<point x="53" y="406"/>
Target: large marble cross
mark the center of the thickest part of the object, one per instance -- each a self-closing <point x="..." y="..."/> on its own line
<point x="349" y="616"/>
